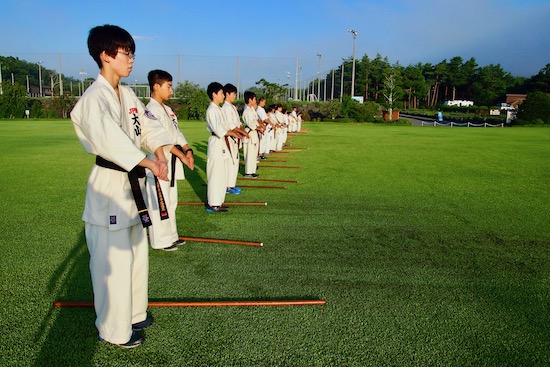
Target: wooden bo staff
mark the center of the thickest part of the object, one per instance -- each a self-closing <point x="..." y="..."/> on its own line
<point x="306" y="302"/>
<point x="226" y="242"/>
<point x="242" y="203"/>
<point x="264" y="179"/>
<point x="297" y="167"/>
<point x="259" y="187"/>
<point x="262" y="187"/>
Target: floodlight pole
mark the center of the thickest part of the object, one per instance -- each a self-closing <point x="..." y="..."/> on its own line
<point x="288" y="83"/>
<point x="319" y="78"/>
<point x="355" y="33"/>
<point x="40" y="77"/>
<point x="296" y="81"/>
<point x="342" y="82"/>
<point x="1" y="92"/>
<point x="332" y="86"/>
<point x="82" y="74"/>
<point x="60" y="75"/>
<point x="301" y="84"/>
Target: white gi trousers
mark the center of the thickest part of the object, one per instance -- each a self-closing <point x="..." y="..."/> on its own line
<point x="233" y="163"/>
<point x="119" y="267"/>
<point x="250" y="151"/>
<point x="163" y="233"/>
<point x="279" y="139"/>
<point x="216" y="174"/>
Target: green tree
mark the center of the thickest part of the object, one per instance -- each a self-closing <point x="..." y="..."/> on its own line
<point x="13" y="101"/>
<point x="193" y="99"/>
<point x="331" y="108"/>
<point x="414" y="85"/>
<point x="536" y="106"/>
<point x="378" y="70"/>
<point x="273" y="92"/>
<point x="490" y="85"/>
<point x="63" y="105"/>
<point x="541" y="81"/>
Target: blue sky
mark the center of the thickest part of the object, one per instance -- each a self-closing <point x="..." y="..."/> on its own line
<point x="235" y="42"/>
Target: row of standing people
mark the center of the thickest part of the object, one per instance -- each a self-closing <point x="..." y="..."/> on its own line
<point x="114" y="125"/>
<point x="259" y="133"/>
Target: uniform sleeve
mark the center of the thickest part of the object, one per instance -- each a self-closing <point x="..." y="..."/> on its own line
<point x="214" y="122"/>
<point x="98" y="130"/>
<point x="250" y="118"/>
<point x="153" y="134"/>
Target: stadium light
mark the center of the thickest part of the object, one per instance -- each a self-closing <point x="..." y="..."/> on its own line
<point x="40" y="77"/>
<point x="82" y="74"/>
<point x="355" y="33"/>
<point x="301" y="97"/>
<point x="319" y="78"/>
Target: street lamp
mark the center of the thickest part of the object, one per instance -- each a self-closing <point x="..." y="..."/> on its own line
<point x="82" y="75"/>
<point x="355" y="33"/>
<point x="319" y="78"/>
<point x="40" y="77"/>
<point x="288" y="83"/>
<point x="301" y="84"/>
<point x="1" y="92"/>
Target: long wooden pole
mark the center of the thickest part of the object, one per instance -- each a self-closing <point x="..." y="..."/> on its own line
<point x="262" y="187"/>
<point x="217" y="240"/>
<point x="228" y="204"/>
<point x="312" y="302"/>
<point x="264" y="179"/>
<point x="297" y="167"/>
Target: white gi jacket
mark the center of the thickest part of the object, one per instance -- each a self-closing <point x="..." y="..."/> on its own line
<point x="169" y="121"/>
<point x="231" y="115"/>
<point x="115" y="131"/>
<point x="216" y="124"/>
<point x="250" y="118"/>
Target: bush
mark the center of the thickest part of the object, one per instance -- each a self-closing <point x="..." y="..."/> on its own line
<point x="535" y="107"/>
<point x="360" y="112"/>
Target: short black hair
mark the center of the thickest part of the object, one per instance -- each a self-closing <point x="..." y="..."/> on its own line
<point x="158" y="77"/>
<point x="248" y="95"/>
<point x="212" y="88"/>
<point x="229" y="88"/>
<point x="109" y="38"/>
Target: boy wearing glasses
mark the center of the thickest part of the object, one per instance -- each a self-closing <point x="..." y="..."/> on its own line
<point x="112" y="124"/>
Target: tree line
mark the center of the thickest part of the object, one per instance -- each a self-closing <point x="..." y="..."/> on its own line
<point x="380" y="83"/>
<point x="426" y="85"/>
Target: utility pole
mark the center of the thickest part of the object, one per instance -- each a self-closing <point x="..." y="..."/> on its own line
<point x="60" y="75"/>
<point x="40" y="77"/>
<point x="355" y="33"/>
<point x="296" y="81"/>
<point x="319" y="78"/>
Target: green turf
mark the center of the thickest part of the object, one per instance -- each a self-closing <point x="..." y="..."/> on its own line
<point x="430" y="245"/>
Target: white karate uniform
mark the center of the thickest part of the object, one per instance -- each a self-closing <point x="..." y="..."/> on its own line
<point x="250" y="145"/>
<point x="280" y="134"/>
<point x="163" y="233"/>
<point x="294" y="121"/>
<point x="233" y="121"/>
<point x="273" y="132"/>
<point x="217" y="155"/>
<point x="116" y="240"/>
<point x="265" y="140"/>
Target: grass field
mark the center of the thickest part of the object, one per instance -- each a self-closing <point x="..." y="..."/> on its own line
<point x="431" y="247"/>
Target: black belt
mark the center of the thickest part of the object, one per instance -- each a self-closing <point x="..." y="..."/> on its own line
<point x="136" y="173"/>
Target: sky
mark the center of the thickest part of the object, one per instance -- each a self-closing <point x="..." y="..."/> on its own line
<point x="240" y="43"/>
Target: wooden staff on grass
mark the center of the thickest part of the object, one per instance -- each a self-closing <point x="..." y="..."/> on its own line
<point x="306" y="302"/>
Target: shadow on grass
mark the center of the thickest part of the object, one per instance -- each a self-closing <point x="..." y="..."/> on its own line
<point x="195" y="180"/>
<point x="68" y="335"/>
